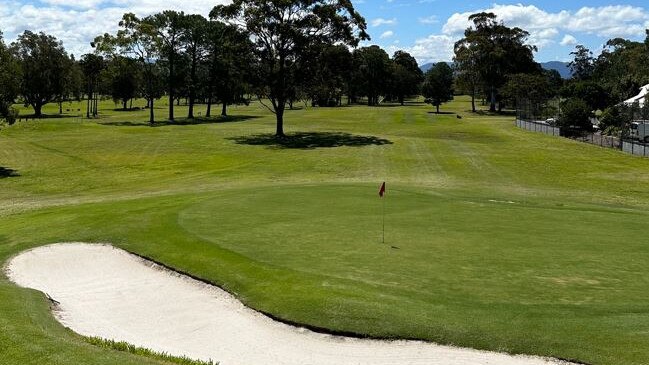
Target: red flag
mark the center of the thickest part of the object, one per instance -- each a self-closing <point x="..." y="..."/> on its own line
<point x="382" y="191"/>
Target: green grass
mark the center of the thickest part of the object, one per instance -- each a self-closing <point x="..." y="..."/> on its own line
<point x="497" y="238"/>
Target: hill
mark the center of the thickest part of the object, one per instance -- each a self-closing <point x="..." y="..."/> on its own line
<point x="561" y="67"/>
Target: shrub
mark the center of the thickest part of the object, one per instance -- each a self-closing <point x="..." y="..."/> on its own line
<point x="574" y="117"/>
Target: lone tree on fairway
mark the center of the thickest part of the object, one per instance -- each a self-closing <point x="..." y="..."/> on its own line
<point x="438" y="85"/>
<point x="45" y="68"/>
<point x="283" y="30"/>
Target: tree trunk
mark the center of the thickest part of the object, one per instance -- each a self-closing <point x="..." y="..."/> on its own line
<point x="280" y="123"/>
<point x="88" y="105"/>
<point x="224" y="110"/>
<point x="209" y="107"/>
<point x="473" y="101"/>
<point x="492" y="104"/>
<point x="151" y="116"/>
<point x="171" y="86"/>
<point x="437" y="108"/>
<point x="60" y="107"/>
<point x="38" y="109"/>
<point x="402" y="100"/>
<point x="124" y="104"/>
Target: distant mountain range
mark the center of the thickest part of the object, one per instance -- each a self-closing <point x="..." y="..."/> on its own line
<point x="561" y="67"/>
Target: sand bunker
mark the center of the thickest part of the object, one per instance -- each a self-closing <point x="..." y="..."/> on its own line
<point x="109" y="293"/>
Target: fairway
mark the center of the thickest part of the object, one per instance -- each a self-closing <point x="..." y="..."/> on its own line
<point x="496" y="238"/>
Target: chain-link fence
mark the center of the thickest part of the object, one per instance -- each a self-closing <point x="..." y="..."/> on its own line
<point x="538" y="127"/>
<point x="636" y="148"/>
<point x="601" y="140"/>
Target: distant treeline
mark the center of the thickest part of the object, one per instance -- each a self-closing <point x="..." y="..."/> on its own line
<point x="292" y="51"/>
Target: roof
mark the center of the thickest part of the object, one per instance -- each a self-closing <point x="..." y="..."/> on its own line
<point x="640" y="98"/>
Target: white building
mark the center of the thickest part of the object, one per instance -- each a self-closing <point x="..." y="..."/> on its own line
<point x="640" y="98"/>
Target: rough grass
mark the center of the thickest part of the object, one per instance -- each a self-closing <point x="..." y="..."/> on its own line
<point x="498" y="238"/>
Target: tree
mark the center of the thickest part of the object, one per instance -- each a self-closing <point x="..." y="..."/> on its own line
<point x="45" y="68"/>
<point x="535" y="88"/>
<point x="407" y="76"/>
<point x="194" y="33"/>
<point x="283" y="30"/>
<point x="591" y="92"/>
<point x="168" y="28"/>
<point x="123" y="77"/>
<point x="468" y="77"/>
<point x="229" y="64"/>
<point x="438" y="85"/>
<point x="583" y="64"/>
<point x="140" y="41"/>
<point x="372" y="72"/>
<point x="622" y="68"/>
<point x="495" y="51"/>
<point x="574" y="117"/>
<point x="10" y="76"/>
<point x="331" y="71"/>
<point x="91" y="66"/>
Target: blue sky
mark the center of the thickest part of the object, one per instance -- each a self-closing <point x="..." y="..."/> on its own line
<point x="425" y="28"/>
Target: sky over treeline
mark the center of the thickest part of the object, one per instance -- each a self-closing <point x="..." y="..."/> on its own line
<point x="425" y="28"/>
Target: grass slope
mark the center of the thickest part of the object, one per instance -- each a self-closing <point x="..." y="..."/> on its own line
<point x="498" y="238"/>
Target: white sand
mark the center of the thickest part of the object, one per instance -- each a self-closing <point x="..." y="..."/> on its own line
<point x="109" y="293"/>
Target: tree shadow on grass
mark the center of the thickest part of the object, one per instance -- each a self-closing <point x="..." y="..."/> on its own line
<point x="495" y="114"/>
<point x="5" y="172"/>
<point x="311" y="140"/>
<point x="441" y="113"/>
<point x="184" y="121"/>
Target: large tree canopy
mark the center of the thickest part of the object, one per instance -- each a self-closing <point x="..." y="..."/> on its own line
<point x="283" y="32"/>
<point x="45" y="68"/>
<point x="406" y="76"/>
<point x="438" y="85"/>
<point x="372" y="73"/>
<point x="495" y="51"/>
<point x="10" y="76"/>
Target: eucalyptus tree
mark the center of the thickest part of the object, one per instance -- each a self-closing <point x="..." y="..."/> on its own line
<point x="10" y="76"/>
<point x="92" y="66"/>
<point x="583" y="64"/>
<point x="496" y="51"/>
<point x="194" y="33"/>
<point x="468" y="76"/>
<point x="233" y="75"/>
<point x="140" y="41"/>
<point x="438" y="85"/>
<point x="331" y="69"/>
<point x="45" y="68"/>
<point x="167" y="27"/>
<point x="123" y="77"/>
<point x="407" y="76"/>
<point x="283" y="30"/>
<point x="372" y="72"/>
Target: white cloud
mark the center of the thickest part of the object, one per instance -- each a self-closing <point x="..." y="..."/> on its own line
<point x="380" y="21"/>
<point x="568" y="40"/>
<point x="78" y="22"/>
<point x="387" y="34"/>
<point x="544" y="27"/>
<point x="434" y="48"/>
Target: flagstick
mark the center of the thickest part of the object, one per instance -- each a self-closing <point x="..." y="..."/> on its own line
<point x="384" y="218"/>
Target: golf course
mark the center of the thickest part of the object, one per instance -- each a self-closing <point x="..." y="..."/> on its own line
<point x="496" y="238"/>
